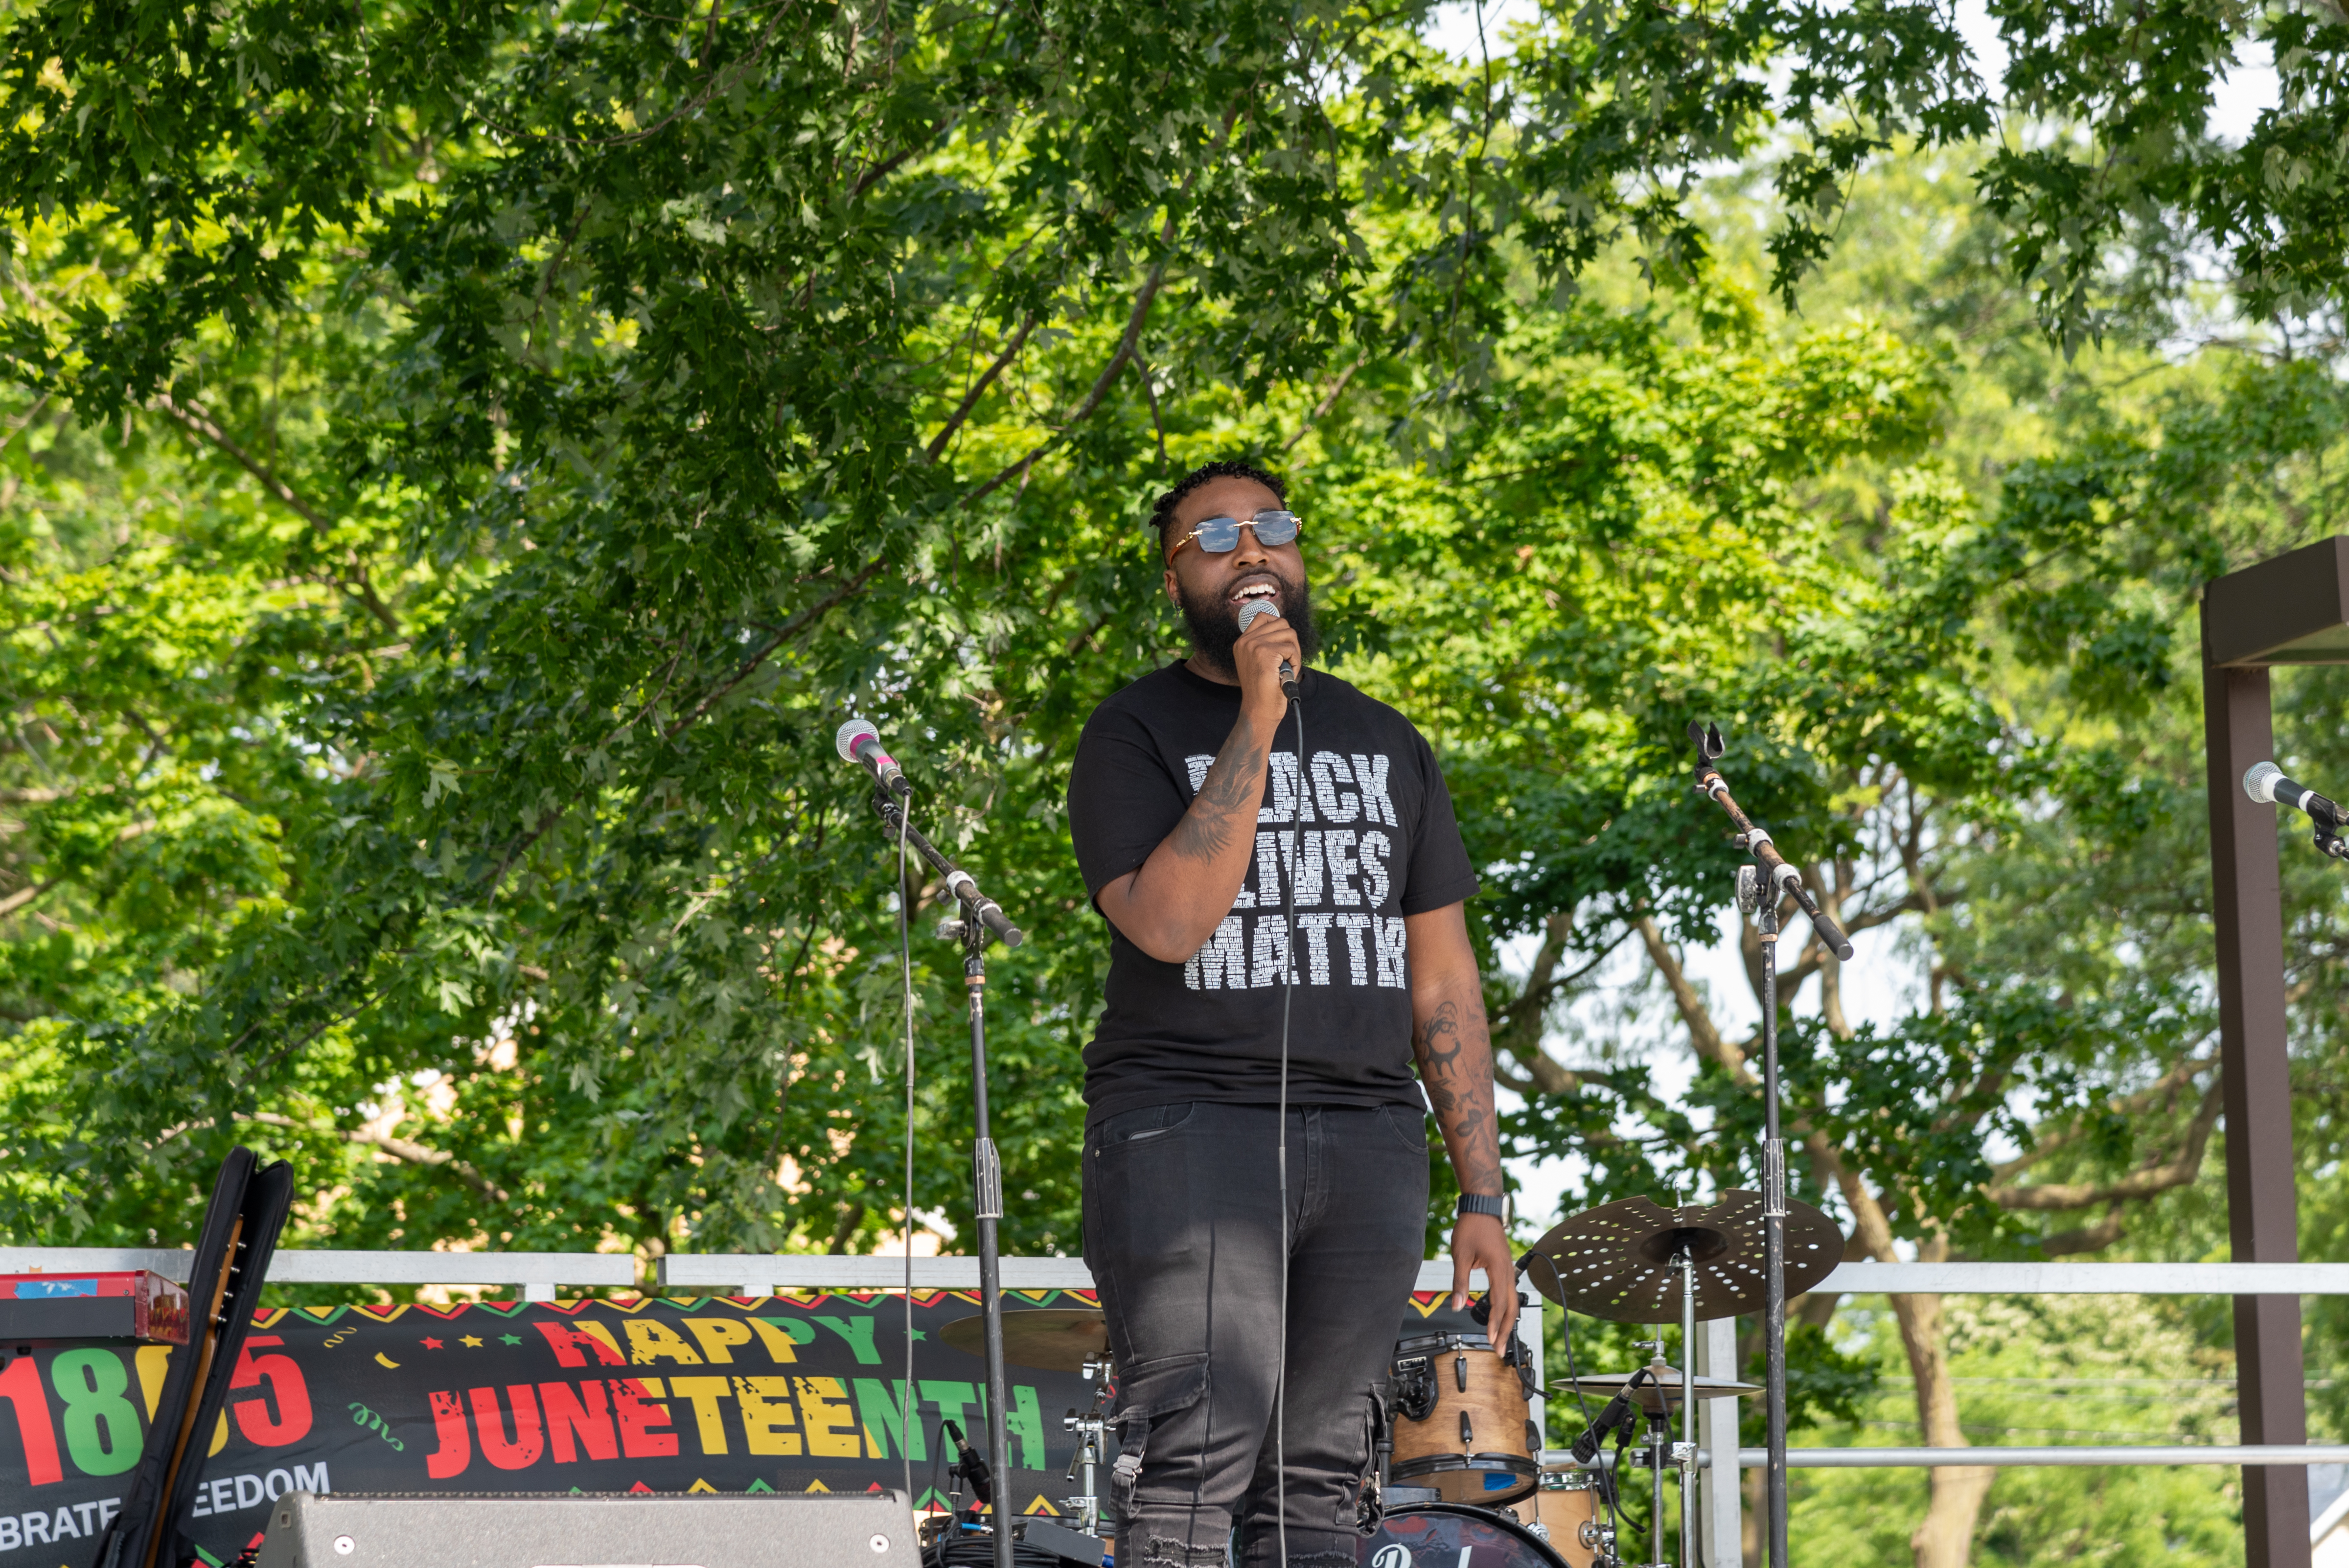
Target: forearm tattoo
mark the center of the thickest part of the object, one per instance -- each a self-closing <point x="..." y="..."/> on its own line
<point x="1456" y="1063"/>
<point x="1225" y="810"/>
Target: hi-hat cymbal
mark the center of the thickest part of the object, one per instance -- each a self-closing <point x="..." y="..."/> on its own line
<point x="1046" y="1339"/>
<point x="1615" y="1262"/>
<point x="1657" y="1397"/>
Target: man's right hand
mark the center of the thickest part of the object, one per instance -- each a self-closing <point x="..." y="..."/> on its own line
<point x="1172" y="905"/>
<point x="1269" y="639"/>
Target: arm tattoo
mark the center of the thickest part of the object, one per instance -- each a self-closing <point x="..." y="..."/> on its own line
<point x="1230" y="789"/>
<point x="1455" y="1064"/>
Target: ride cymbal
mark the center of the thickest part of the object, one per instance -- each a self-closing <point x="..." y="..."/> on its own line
<point x="1615" y="1262"/>
<point x="1044" y="1339"/>
<point x="1606" y="1385"/>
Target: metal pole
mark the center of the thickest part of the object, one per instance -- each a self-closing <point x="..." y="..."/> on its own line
<point x="987" y="1183"/>
<point x="1686" y="1263"/>
<point x="2255" y="1077"/>
<point x="1659" y="1442"/>
<point x="1723" y="1536"/>
<point x="1773" y="1238"/>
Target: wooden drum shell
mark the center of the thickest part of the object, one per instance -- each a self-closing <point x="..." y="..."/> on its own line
<point x="1475" y="1394"/>
<point x="1565" y="1513"/>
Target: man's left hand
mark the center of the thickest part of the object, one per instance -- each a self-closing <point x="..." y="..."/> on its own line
<point x="1479" y="1242"/>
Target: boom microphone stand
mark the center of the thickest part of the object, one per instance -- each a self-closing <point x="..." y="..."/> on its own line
<point x="982" y="919"/>
<point x="1759" y="888"/>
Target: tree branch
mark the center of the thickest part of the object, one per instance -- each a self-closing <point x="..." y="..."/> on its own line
<point x="2135" y="1105"/>
<point x="782" y="634"/>
<point x="1703" y="1034"/>
<point x="1101" y="384"/>
<point x="2148" y="1180"/>
<point x="1516" y="1028"/>
<point x="398" y="1148"/>
<point x="743" y="671"/>
<point x="2088" y="1238"/>
<point x="1329" y="400"/>
<point x="198" y="423"/>
<point x="26" y="895"/>
<point x="23" y="895"/>
<point x="978" y="390"/>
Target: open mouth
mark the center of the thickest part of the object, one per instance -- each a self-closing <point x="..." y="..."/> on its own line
<point x="1260" y="588"/>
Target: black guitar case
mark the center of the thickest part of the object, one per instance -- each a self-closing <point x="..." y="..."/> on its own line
<point x="240" y="1233"/>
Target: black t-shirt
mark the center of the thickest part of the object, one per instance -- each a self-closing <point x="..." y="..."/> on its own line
<point x="1376" y="842"/>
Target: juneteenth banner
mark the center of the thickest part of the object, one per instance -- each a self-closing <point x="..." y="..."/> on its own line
<point x="727" y="1393"/>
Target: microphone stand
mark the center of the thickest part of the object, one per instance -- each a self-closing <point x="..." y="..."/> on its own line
<point x="982" y="919"/>
<point x="1759" y="886"/>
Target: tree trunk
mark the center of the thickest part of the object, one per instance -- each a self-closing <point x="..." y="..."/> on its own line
<point x="1945" y="1539"/>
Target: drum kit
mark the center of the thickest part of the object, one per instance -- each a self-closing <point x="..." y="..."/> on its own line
<point x="1463" y="1478"/>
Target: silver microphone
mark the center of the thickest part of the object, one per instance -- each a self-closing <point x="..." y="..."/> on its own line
<point x="1248" y="612"/>
<point x="2266" y="783"/>
<point x="858" y="741"/>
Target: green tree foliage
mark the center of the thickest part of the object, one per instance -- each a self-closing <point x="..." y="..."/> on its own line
<point x="460" y="464"/>
<point x="467" y="461"/>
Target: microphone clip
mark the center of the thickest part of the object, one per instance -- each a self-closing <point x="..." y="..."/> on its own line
<point x="1617" y="1414"/>
<point x="971" y="1466"/>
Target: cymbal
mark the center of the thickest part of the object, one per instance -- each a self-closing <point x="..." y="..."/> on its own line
<point x="1045" y="1339"/>
<point x="1614" y="1261"/>
<point x="1606" y="1385"/>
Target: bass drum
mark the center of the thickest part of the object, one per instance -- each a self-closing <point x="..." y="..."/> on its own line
<point x="1453" y="1535"/>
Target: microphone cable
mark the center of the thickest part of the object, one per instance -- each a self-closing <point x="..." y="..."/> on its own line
<point x="1602" y="1482"/>
<point x="1288" y="994"/>
<point x="905" y="973"/>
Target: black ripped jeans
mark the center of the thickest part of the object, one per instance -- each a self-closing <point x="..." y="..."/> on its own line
<point x="1183" y="1236"/>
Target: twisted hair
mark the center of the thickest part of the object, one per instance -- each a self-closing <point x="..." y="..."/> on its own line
<point x="1161" y="515"/>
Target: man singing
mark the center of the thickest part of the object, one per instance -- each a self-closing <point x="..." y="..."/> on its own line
<point x="1193" y="820"/>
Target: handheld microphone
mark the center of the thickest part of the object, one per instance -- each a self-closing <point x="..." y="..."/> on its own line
<point x="2266" y="783"/>
<point x="858" y="741"/>
<point x="974" y="1468"/>
<point x="1248" y="612"/>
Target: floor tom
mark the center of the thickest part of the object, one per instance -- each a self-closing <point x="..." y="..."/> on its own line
<point x="1565" y="1513"/>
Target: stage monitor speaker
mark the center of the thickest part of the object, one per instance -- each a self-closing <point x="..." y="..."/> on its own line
<point x="601" y="1529"/>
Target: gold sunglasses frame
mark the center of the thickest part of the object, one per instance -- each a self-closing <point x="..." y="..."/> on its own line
<point x="1248" y="523"/>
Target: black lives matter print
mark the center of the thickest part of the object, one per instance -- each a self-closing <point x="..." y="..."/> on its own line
<point x="1360" y="834"/>
<point x="1327" y="836"/>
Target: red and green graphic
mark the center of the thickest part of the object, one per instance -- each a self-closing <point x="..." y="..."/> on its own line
<point x="717" y="1393"/>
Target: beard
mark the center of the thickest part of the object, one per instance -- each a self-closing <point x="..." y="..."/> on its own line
<point x="1214" y="624"/>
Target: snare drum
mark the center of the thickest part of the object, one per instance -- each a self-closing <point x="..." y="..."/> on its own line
<point x="1564" y="1512"/>
<point x="1460" y="1423"/>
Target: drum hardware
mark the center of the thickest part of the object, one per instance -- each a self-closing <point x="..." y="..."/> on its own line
<point x="1615" y="1262"/>
<point x="1648" y="1396"/>
<point x="1624" y="1261"/>
<point x="1414" y="1388"/>
<point x="1761" y="886"/>
<point x="1086" y="1462"/>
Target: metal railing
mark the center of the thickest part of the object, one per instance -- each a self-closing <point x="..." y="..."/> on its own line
<point x="538" y="1274"/>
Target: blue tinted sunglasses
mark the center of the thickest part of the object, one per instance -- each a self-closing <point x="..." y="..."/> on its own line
<point x="1221" y="535"/>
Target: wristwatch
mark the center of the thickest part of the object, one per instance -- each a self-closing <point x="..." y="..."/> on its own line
<point x="1478" y="1203"/>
